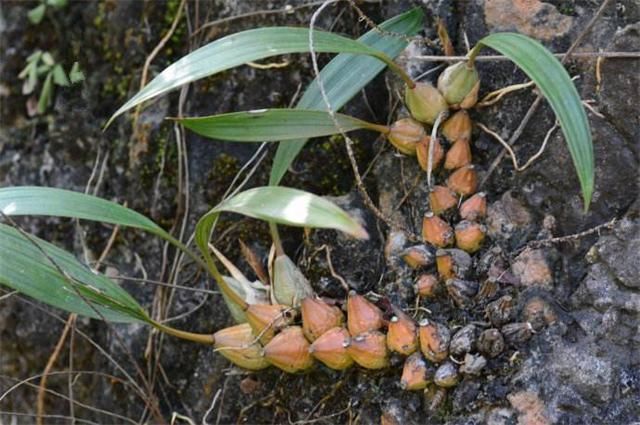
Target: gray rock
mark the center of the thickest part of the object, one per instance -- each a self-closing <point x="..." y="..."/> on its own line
<point x="508" y="220"/>
<point x="591" y="376"/>
<point x="551" y="185"/>
<point x="620" y="251"/>
<point x="622" y="76"/>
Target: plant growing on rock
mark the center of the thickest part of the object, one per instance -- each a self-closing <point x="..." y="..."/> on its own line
<point x="41" y="66"/>
<point x="37" y="14"/>
<point x="269" y="332"/>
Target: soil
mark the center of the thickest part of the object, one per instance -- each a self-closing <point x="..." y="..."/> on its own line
<point x="581" y="294"/>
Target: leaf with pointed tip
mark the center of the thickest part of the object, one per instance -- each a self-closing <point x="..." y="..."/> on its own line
<point x="345" y="76"/>
<point x="279" y="205"/>
<point x="240" y="48"/>
<point x="556" y="86"/>
<point x="45" y="94"/>
<point x="36" y="14"/>
<point x="48" y="201"/>
<point x="25" y="268"/>
<point x="271" y="125"/>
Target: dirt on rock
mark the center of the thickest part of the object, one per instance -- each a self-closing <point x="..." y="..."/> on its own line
<point x="575" y="357"/>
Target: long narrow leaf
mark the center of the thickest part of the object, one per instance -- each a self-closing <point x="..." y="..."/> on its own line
<point x="26" y="269"/>
<point x="48" y="201"/>
<point x="345" y="76"/>
<point x="279" y="205"/>
<point x="556" y="86"/>
<point x="240" y="48"/>
<point x="271" y="125"/>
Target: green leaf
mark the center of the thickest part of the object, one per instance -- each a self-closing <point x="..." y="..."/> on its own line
<point x="59" y="76"/>
<point x="272" y="125"/>
<point x="35" y="56"/>
<point x="48" y="201"/>
<point x="25" y="268"/>
<point x="240" y="48"/>
<point x="57" y="3"/>
<point x="43" y="69"/>
<point x="76" y="75"/>
<point x="47" y="59"/>
<point x="31" y="81"/>
<point x="36" y="14"/>
<point x="45" y="94"/>
<point x="554" y="83"/>
<point x="345" y="76"/>
<point x="280" y="205"/>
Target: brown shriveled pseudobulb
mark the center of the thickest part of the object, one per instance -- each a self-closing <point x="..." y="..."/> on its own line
<point x="362" y="315"/>
<point x="434" y="340"/>
<point x="474" y="208"/>
<point x="462" y="291"/>
<point x="267" y="319"/>
<point x="436" y="231"/>
<point x="331" y="349"/>
<point x="422" y="152"/>
<point x="453" y="263"/>
<point x="318" y="317"/>
<point x="289" y="350"/>
<point x="458" y="155"/>
<point x="369" y="350"/>
<point x="442" y="199"/>
<point x="402" y="335"/>
<point x="457" y="127"/>
<point x="469" y="235"/>
<point x="416" y="373"/>
<point x="447" y="375"/>
<point x="464" y="181"/>
<point x="239" y="345"/>
<point x="418" y="256"/>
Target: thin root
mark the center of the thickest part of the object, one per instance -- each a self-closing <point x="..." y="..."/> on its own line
<point x="495" y="96"/>
<point x="512" y="154"/>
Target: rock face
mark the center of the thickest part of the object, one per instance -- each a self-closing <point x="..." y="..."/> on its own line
<point x="534" y="18"/>
<point x="582" y="297"/>
<point x="592" y="360"/>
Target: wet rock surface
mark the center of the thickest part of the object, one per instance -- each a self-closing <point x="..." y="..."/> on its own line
<point x="581" y="296"/>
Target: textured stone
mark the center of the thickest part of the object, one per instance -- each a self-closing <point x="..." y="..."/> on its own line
<point x="623" y="244"/>
<point x="530" y="17"/>
<point x="551" y="186"/>
<point x="509" y="220"/>
<point x="531" y="410"/>
<point x="532" y="269"/>
<point x="623" y="76"/>
<point x="591" y="376"/>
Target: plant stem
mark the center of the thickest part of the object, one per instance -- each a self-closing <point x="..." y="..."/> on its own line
<point x="472" y="55"/>
<point x="377" y="127"/>
<point x="223" y="285"/>
<point x="275" y="236"/>
<point x="206" y="339"/>
<point x="398" y="70"/>
<point x="186" y="250"/>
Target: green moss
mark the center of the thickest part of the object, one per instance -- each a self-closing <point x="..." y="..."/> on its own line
<point x="100" y="17"/>
<point x="176" y="42"/>
<point x="336" y="179"/>
<point x="221" y="174"/>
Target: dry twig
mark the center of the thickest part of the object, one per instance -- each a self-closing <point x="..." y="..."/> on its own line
<point x="348" y="142"/>
<point x="570" y="238"/>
